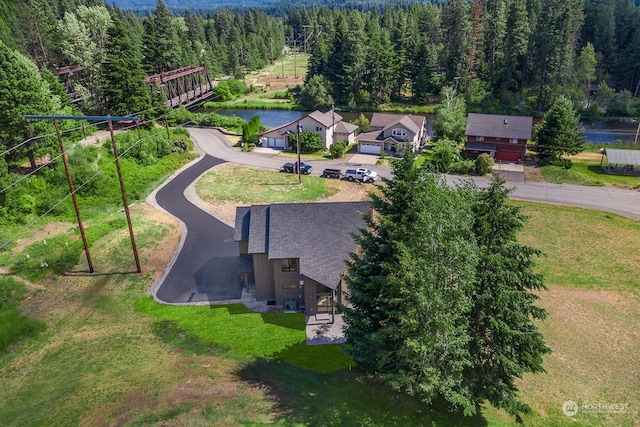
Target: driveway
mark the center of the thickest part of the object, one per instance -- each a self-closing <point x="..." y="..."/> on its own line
<point x="206" y="265"/>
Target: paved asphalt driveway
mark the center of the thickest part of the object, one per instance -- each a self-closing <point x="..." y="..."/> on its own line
<point x="206" y="268"/>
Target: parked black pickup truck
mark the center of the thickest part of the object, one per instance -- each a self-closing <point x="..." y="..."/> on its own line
<point x="293" y="168"/>
<point x="332" y="173"/>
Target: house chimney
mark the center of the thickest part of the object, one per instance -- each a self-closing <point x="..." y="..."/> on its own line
<point x="506" y="122"/>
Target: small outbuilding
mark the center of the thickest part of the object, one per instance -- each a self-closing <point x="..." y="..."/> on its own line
<point x="621" y="161"/>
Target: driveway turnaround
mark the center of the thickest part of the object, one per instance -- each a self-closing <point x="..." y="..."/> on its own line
<point x="206" y="269"/>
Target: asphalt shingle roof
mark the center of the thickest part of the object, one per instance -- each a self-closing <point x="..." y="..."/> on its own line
<point x="258" y="231"/>
<point x="319" y="234"/>
<point x="327" y="119"/>
<point x="499" y="126"/>
<point x="382" y="120"/>
<point x="242" y="223"/>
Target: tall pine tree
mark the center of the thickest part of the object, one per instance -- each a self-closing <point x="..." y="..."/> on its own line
<point x="408" y="288"/>
<point x="125" y="90"/>
<point x="505" y="343"/>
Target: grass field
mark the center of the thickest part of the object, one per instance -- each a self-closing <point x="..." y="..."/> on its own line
<point x="586" y="170"/>
<point x="111" y="356"/>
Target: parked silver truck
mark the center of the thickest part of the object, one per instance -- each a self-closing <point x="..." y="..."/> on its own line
<point x="361" y="174"/>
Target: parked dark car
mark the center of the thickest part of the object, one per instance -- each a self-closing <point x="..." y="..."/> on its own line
<point x="305" y="168"/>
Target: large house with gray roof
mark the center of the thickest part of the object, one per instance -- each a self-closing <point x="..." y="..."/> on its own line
<point x="329" y="126"/>
<point x="502" y="137"/>
<point x="389" y="132"/>
<point x="297" y="252"/>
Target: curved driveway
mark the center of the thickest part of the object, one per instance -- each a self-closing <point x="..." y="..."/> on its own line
<point x="207" y="263"/>
<point x="206" y="268"/>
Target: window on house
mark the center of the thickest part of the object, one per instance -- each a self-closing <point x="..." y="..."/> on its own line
<point x="398" y="132"/>
<point x="290" y="264"/>
<point x="480" y="138"/>
<point x="513" y="141"/>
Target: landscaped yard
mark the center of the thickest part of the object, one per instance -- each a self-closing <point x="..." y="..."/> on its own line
<point x="111" y="356"/>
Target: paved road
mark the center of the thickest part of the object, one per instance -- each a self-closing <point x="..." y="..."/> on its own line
<point x="207" y="264"/>
<point x="610" y="199"/>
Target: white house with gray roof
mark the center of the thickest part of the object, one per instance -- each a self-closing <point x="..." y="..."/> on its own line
<point x="389" y="132"/>
<point x="298" y="251"/>
<point x="329" y="126"/>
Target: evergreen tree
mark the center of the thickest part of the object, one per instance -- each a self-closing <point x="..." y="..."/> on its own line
<point x="560" y="132"/>
<point x="125" y="90"/>
<point x="161" y="50"/>
<point x="505" y="343"/>
<point x="408" y="287"/>
<point x="23" y="91"/>
<point x="516" y="44"/>
<point x="456" y="28"/>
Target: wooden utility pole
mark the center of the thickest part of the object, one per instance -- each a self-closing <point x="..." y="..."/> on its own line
<point x="299" y="163"/>
<point x="73" y="197"/>
<point x="124" y="197"/>
<point x="635" y="140"/>
<point x="70" y="181"/>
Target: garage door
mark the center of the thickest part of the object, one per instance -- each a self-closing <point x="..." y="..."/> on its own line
<point x="366" y="148"/>
<point x="511" y="156"/>
<point x="279" y="143"/>
<point x="270" y="142"/>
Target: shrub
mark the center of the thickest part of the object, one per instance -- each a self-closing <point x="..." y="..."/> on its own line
<point x="563" y="163"/>
<point x="442" y="158"/>
<point x="463" y="167"/>
<point x="337" y="149"/>
<point x="484" y="164"/>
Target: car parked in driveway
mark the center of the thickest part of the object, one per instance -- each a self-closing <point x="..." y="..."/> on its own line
<point x="305" y="168"/>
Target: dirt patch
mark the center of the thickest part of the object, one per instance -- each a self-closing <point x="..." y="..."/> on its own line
<point x="37" y="235"/>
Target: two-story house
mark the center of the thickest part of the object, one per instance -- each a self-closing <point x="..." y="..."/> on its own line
<point x="390" y="132"/>
<point x="329" y="126"/>
<point x="502" y="137"/>
<point x="298" y="251"/>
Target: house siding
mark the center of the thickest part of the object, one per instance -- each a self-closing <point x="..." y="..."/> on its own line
<point x="263" y="275"/>
<point x="286" y="283"/>
<point x="504" y="149"/>
<point x="243" y="247"/>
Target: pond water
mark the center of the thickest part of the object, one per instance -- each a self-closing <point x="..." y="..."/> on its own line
<point x="596" y="131"/>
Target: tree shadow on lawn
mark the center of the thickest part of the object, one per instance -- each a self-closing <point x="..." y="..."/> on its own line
<point x="344" y="398"/>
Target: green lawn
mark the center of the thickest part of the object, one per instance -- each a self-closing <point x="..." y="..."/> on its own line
<point x="112" y="356"/>
<point x="586" y="170"/>
<point x="245" y="185"/>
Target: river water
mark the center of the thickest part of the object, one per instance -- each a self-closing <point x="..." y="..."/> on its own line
<point x="596" y="131"/>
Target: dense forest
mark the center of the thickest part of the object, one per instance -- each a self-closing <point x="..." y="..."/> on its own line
<point x="511" y="56"/>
